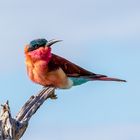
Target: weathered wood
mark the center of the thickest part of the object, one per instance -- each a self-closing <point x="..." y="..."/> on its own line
<point x="14" y="128"/>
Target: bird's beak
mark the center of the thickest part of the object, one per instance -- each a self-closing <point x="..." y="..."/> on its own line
<point x="51" y="42"/>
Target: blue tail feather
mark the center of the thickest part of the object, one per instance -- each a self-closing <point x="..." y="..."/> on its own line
<point x="79" y="80"/>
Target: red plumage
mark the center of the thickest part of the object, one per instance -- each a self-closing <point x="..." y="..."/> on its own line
<point x="49" y="69"/>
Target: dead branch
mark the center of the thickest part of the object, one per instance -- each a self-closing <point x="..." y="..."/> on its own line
<point x="14" y="128"/>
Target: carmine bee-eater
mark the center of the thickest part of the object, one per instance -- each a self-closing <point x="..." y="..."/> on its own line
<point x="48" y="69"/>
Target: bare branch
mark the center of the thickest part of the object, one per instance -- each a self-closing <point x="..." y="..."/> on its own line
<point x="13" y="129"/>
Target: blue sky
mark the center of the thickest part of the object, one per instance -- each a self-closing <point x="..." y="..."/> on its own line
<point x="100" y="35"/>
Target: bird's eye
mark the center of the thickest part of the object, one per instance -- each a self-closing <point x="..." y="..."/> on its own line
<point x="36" y="46"/>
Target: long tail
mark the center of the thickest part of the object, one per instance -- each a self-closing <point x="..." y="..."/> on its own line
<point x="104" y="78"/>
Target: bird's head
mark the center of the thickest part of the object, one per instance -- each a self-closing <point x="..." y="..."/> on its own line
<point x="39" y="49"/>
<point x="38" y="43"/>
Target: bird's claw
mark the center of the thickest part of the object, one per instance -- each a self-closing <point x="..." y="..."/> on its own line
<point x="53" y="96"/>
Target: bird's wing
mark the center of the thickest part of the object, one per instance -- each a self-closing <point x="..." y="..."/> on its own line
<point x="71" y="69"/>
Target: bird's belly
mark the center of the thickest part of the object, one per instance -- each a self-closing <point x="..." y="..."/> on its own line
<point x="41" y="79"/>
<point x="56" y="78"/>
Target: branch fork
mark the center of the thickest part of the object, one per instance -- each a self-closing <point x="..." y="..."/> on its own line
<point x="14" y="128"/>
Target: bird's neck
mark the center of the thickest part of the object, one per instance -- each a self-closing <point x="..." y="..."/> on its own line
<point x="41" y="54"/>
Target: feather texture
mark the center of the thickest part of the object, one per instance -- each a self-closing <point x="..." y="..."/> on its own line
<point x="49" y="69"/>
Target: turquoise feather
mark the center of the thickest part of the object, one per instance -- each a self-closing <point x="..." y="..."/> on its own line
<point x="78" y="81"/>
<point x="38" y="42"/>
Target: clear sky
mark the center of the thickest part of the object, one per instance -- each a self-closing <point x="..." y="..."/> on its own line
<point x="100" y="35"/>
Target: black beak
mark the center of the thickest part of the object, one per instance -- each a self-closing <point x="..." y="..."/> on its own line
<point x="51" y="42"/>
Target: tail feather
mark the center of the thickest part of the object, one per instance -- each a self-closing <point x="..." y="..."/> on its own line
<point x="105" y="78"/>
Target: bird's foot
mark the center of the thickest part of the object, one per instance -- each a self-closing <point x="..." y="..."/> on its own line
<point x="53" y="96"/>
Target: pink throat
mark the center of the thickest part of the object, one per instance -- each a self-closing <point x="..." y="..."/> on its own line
<point x="41" y="54"/>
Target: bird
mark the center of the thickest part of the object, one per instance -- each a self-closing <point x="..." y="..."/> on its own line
<point x="48" y="69"/>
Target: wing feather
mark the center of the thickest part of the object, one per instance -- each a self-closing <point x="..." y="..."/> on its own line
<point x="71" y="69"/>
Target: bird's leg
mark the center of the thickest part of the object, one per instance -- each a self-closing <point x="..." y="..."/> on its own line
<point x="52" y="96"/>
